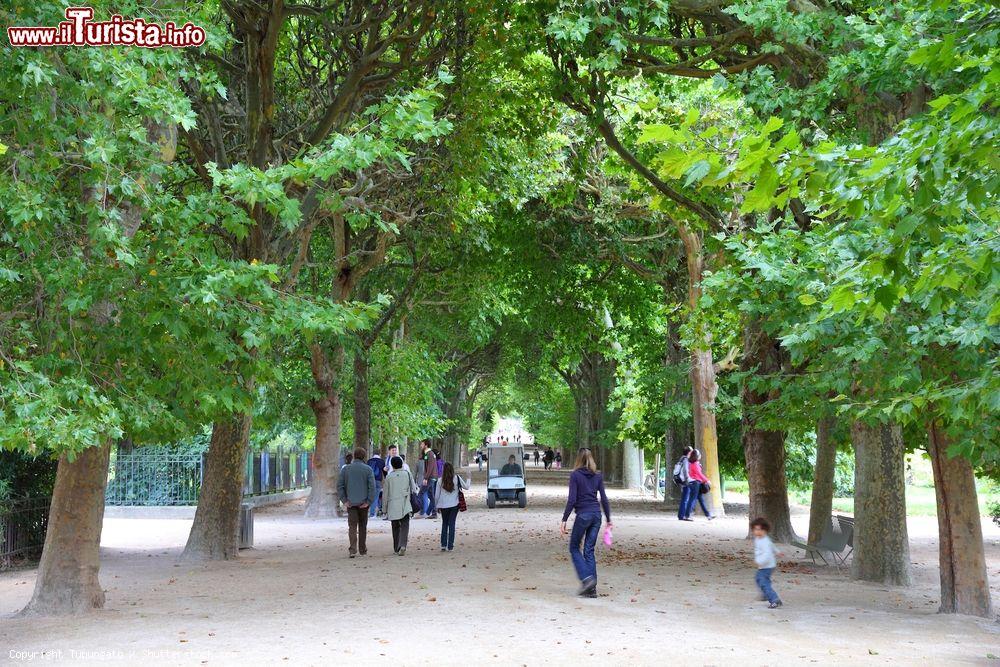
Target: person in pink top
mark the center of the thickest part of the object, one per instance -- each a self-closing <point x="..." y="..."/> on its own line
<point x="696" y="475"/>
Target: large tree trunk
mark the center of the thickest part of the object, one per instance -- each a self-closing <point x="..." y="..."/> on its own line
<point x="965" y="588"/>
<point x="764" y="451"/>
<point x="821" y="505"/>
<point x="703" y="385"/>
<point x="327" y="408"/>
<point x="362" y="403"/>
<point x="881" y="545"/>
<point x="215" y="532"/>
<point x="67" y="581"/>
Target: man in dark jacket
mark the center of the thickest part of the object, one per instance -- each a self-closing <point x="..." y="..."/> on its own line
<point x="356" y="487"/>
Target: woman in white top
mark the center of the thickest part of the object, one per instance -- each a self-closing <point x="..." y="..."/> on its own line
<point x="446" y="501"/>
<point x="399" y="484"/>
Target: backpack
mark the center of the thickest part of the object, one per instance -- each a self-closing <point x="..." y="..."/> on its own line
<point x="678" y="469"/>
<point x="376" y="465"/>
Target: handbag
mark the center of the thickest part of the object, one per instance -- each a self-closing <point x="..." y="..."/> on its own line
<point x="705" y="488"/>
<point x="461" y="496"/>
<point x="415" y="505"/>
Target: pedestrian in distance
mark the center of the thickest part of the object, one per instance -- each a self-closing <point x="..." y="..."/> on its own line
<point x="682" y="477"/>
<point x="558" y="460"/>
<point x="447" y="500"/>
<point x="587" y="498"/>
<point x="356" y="487"/>
<point x="378" y="470"/>
<point x="701" y="486"/>
<point x="399" y="484"/>
<point x="430" y="479"/>
<point x="765" y="556"/>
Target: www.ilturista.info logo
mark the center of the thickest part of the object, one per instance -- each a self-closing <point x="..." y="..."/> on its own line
<point x="80" y="30"/>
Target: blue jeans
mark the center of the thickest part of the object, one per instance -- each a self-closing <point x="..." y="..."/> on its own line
<point x="427" y="497"/>
<point x="764" y="584"/>
<point x="448" y="517"/>
<point x="378" y="499"/>
<point x="585" y="529"/>
<point x="696" y="496"/>
<point x="688" y="493"/>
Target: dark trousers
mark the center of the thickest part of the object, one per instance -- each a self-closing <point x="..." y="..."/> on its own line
<point x="688" y="494"/>
<point x="400" y="533"/>
<point x="696" y="497"/>
<point x="448" y="517"/>
<point x="585" y="530"/>
<point x="357" y="529"/>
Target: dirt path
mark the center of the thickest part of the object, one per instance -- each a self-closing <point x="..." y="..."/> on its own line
<point x="671" y="591"/>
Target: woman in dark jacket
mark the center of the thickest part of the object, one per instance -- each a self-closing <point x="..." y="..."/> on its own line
<point x="585" y="483"/>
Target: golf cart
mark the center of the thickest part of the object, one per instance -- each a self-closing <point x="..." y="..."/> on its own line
<point x="505" y="482"/>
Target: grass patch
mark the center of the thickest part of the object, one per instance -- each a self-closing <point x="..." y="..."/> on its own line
<point x="920" y="500"/>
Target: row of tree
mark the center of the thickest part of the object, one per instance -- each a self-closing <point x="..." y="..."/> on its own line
<point x="706" y="222"/>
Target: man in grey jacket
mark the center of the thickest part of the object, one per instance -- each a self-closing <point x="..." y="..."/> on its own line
<point x="356" y="487"/>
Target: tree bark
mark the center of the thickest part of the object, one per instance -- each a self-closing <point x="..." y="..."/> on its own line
<point x="67" y="581"/>
<point x="633" y="468"/>
<point x="215" y="532"/>
<point x="881" y="545"/>
<point x="821" y="505"/>
<point x="965" y="588"/>
<point x="327" y="408"/>
<point x="704" y="388"/>
<point x="362" y="402"/>
<point x="764" y="451"/>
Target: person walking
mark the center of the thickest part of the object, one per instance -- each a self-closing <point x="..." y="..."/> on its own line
<point x="559" y="460"/>
<point x="585" y="485"/>
<point x="378" y="470"/>
<point x="446" y="501"/>
<point x="548" y="458"/>
<point x="765" y="556"/>
<point x="430" y="478"/>
<point x="396" y="490"/>
<point x="682" y="476"/>
<point x="537" y="456"/>
<point x="702" y="487"/>
<point x="356" y="487"/>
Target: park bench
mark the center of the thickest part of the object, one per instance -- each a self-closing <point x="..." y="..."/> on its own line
<point x="837" y="536"/>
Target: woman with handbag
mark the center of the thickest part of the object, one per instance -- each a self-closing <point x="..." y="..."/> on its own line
<point x="701" y="490"/>
<point x="397" y="492"/>
<point x="449" y="500"/>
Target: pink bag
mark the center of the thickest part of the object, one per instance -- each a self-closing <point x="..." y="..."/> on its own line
<point x="607" y="537"/>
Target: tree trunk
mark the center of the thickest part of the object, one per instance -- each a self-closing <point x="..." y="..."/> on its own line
<point x="881" y="546"/>
<point x="703" y="385"/>
<point x="362" y="403"/>
<point x="764" y="451"/>
<point x="673" y="447"/>
<point x="632" y="463"/>
<point x="327" y="408"/>
<point x="67" y="581"/>
<point x="821" y="505"/>
<point x="965" y="588"/>
<point x="215" y="531"/>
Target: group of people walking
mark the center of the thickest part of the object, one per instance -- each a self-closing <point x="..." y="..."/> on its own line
<point x="397" y="496"/>
<point x="402" y="498"/>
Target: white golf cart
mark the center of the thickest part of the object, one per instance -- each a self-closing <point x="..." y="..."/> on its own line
<point x="505" y="482"/>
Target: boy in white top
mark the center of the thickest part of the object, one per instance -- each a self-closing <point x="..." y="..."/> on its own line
<point x="766" y="558"/>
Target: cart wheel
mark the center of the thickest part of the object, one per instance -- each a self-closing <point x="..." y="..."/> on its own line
<point x="491" y="499"/>
<point x="522" y="499"/>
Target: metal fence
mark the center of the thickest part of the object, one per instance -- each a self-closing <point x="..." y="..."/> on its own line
<point x="22" y="530"/>
<point x="154" y="476"/>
